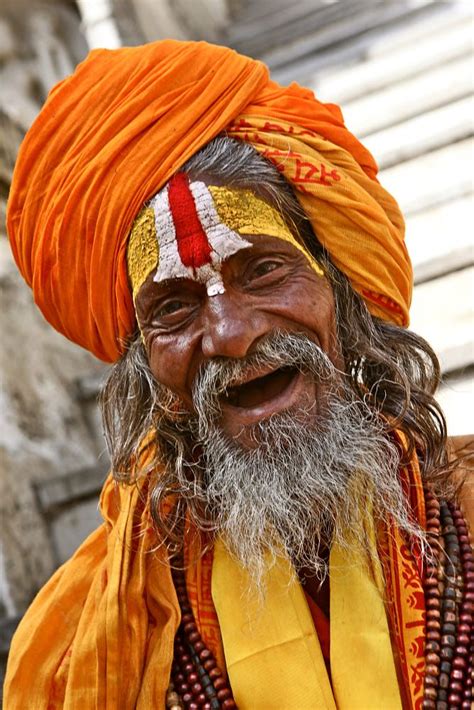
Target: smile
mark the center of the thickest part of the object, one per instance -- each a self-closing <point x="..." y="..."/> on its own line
<point x="260" y="397"/>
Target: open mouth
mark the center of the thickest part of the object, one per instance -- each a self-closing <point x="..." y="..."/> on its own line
<point x="258" y="391"/>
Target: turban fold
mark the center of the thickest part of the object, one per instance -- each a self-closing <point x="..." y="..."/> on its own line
<point x="114" y="132"/>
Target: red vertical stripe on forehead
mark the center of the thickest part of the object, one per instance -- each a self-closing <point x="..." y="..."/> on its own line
<point x="193" y="246"/>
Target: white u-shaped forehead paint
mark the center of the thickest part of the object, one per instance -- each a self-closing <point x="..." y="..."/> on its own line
<point x="193" y="241"/>
<point x="189" y="230"/>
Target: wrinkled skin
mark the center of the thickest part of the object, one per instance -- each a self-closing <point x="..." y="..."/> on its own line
<point x="269" y="286"/>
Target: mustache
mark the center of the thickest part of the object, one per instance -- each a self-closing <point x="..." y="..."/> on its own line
<point x="277" y="350"/>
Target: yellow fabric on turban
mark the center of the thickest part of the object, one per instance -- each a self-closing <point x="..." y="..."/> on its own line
<point x="112" y="134"/>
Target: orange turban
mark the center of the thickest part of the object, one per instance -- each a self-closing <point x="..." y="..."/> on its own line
<point x="114" y="132"/>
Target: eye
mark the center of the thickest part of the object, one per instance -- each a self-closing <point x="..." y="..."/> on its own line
<point x="173" y="312"/>
<point x="265" y="267"/>
<point x="169" y="308"/>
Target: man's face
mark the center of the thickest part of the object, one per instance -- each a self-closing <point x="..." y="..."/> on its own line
<point x="269" y="287"/>
<point x="274" y="450"/>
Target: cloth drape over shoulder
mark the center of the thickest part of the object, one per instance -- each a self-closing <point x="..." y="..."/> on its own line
<point x="100" y="634"/>
<point x="112" y="134"/>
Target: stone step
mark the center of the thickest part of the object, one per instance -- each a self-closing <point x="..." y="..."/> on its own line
<point x="423" y="134"/>
<point x="7" y="629"/>
<point x="424" y="92"/>
<point x="364" y="24"/>
<point x="436" y="266"/>
<point x="8" y="625"/>
<point x="70" y="506"/>
<point x="87" y="387"/>
<point x="263" y="11"/>
<point x="377" y="72"/>
<point x="431" y="253"/>
<point x="443" y="313"/>
<point x="309" y="66"/>
<point x="434" y="18"/>
<point x="265" y="20"/>
<point x="74" y="487"/>
<point x="71" y="525"/>
<point x="275" y="31"/>
<point x="432" y="179"/>
<point x="456" y="395"/>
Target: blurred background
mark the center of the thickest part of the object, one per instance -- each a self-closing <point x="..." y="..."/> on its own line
<point x="403" y="74"/>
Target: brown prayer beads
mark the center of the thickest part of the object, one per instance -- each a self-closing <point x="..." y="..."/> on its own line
<point x="197" y="681"/>
<point x="449" y="598"/>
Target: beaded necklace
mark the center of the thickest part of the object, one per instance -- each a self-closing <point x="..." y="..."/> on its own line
<point x="197" y="682"/>
<point x="449" y="597"/>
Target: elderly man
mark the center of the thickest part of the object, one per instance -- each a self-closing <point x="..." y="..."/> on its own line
<point x="280" y="527"/>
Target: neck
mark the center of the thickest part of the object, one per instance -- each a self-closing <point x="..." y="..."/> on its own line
<point x="318" y="590"/>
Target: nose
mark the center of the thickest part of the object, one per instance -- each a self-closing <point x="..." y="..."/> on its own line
<point x="231" y="326"/>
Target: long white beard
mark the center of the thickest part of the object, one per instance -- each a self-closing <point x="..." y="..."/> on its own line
<point x="309" y="479"/>
<point x="302" y="488"/>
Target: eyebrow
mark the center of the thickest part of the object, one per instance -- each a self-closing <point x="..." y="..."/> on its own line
<point x="270" y="244"/>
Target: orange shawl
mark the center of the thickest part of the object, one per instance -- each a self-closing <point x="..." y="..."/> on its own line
<point x="100" y="633"/>
<point x="112" y="134"/>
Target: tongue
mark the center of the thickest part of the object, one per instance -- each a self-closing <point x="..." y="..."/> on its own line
<point x="260" y="390"/>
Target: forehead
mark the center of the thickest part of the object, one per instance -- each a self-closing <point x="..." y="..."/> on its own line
<point x="191" y="228"/>
<point x="236" y="271"/>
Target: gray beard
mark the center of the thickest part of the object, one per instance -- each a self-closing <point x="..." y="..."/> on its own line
<point x="309" y="479"/>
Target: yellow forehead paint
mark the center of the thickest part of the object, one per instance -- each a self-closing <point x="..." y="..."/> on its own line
<point x="248" y="213"/>
<point x="189" y="229"/>
<point x="142" y="250"/>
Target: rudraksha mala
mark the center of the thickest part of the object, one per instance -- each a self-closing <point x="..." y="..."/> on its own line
<point x="449" y="597"/>
<point x="197" y="681"/>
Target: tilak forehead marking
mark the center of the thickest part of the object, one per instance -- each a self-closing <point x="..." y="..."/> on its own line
<point x="194" y="228"/>
<point x="142" y="250"/>
<point x="193" y="241"/>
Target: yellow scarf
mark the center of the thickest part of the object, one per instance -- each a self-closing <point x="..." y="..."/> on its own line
<point x="273" y="656"/>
